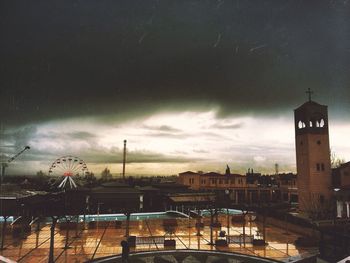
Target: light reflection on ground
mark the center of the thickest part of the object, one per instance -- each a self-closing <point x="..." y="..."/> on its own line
<point x="105" y="241"/>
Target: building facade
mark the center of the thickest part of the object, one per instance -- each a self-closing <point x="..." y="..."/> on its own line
<point x="239" y="188"/>
<point x="341" y="184"/>
<point x="212" y="180"/>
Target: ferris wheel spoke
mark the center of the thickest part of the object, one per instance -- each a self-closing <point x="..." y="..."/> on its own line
<point x="68" y="164"/>
<point x="75" y="165"/>
<point x="71" y="163"/>
<point x="76" y="170"/>
<point x="65" y="164"/>
<point x="59" y="170"/>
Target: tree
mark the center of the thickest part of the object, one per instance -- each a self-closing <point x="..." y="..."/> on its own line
<point x="318" y="209"/>
<point x="335" y="160"/>
<point x="90" y="179"/>
<point x="106" y="175"/>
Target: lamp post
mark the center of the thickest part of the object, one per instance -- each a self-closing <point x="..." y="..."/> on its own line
<point x="227" y="192"/>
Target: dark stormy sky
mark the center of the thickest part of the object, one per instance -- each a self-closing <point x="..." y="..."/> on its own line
<point x="190" y="84"/>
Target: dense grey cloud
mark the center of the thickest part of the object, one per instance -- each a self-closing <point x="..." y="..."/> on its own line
<point x="50" y="145"/>
<point x="162" y="128"/>
<point x="227" y="126"/>
<point x="81" y="58"/>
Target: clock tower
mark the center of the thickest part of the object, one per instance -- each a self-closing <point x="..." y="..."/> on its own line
<point x="312" y="156"/>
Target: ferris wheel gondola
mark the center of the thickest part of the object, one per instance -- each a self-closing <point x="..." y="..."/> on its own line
<point x="67" y="167"/>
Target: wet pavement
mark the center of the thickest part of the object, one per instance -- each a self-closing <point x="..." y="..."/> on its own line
<point x="104" y="240"/>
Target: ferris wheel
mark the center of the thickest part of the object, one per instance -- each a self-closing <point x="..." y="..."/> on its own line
<point x="68" y="166"/>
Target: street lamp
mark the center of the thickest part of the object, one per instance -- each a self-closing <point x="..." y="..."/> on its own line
<point x="5" y="164"/>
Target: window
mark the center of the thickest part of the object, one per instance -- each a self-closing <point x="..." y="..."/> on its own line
<point x="318" y="167"/>
<point x="232" y="181"/>
<point x="322" y="123"/>
<point x="301" y="125"/>
<point x="322" y="166"/>
<point x="220" y="181"/>
<point x="319" y="142"/>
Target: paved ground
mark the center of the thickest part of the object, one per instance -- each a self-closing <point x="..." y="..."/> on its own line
<point x="105" y="241"/>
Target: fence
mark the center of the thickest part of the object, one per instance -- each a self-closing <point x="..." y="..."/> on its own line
<point x="239" y="239"/>
<point x="150" y="240"/>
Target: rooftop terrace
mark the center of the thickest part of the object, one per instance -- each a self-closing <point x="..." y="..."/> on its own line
<point x="103" y="240"/>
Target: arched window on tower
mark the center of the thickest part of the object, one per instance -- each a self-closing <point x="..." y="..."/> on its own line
<point x="310" y="124"/>
<point x="301" y="125"/>
<point x="322" y="123"/>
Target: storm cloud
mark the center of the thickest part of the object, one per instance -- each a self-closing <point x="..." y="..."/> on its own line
<point x="78" y="58"/>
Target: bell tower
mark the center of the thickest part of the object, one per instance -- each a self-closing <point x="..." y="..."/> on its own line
<point x="312" y="156"/>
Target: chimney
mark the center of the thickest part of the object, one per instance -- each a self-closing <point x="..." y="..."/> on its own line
<point x="124" y="159"/>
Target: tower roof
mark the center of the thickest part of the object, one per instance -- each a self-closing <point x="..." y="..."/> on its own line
<point x="310" y="105"/>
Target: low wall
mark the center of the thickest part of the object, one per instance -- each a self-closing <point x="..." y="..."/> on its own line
<point x="292" y="227"/>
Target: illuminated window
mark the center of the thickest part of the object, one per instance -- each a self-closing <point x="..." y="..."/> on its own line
<point x="322" y="123"/>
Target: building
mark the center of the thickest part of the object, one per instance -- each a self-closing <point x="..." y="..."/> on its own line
<point x="341" y="184"/>
<point x="341" y="175"/>
<point x="287" y="186"/>
<point x="313" y="157"/>
<point x="212" y="180"/>
<point x="239" y="188"/>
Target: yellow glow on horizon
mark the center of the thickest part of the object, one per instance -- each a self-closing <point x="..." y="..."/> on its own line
<point x="168" y="143"/>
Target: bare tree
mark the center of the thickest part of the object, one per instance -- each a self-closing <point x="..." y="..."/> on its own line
<point x="317" y="209"/>
<point x="336" y="161"/>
